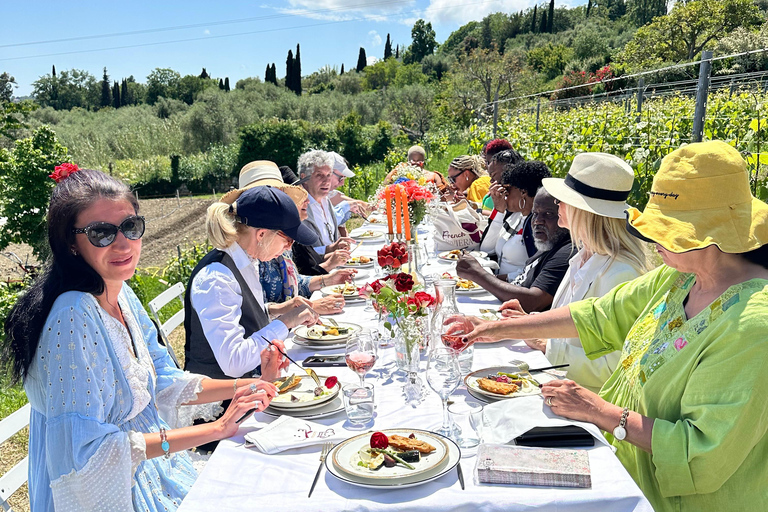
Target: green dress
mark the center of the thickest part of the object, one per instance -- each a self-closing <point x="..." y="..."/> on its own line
<point x="703" y="380"/>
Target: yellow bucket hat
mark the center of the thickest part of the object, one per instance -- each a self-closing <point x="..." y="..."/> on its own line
<point x="700" y="197"/>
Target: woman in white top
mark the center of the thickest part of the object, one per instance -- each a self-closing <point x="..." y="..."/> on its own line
<point x="592" y="204"/>
<point x="520" y="182"/>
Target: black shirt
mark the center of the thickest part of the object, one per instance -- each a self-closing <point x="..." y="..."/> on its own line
<point x="546" y="269"/>
<point x="308" y="260"/>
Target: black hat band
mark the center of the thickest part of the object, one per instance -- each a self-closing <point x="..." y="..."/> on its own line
<point x="595" y="193"/>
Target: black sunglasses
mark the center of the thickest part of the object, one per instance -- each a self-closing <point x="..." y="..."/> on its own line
<point x="453" y="179"/>
<point x="102" y="234"/>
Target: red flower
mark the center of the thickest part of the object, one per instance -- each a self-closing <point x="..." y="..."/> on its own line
<point x="379" y="440"/>
<point x="392" y="255"/>
<point x="403" y="282"/>
<point x="377" y="286"/>
<point x="60" y="172"/>
<point x="331" y="381"/>
<point x="423" y="299"/>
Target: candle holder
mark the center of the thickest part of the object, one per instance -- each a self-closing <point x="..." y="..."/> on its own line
<point x="390" y="237"/>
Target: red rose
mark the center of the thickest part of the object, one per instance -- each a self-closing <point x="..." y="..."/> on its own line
<point x="377" y="286"/>
<point x="423" y="299"/>
<point x="331" y="381"/>
<point x="379" y="440"/>
<point x="60" y="172"/>
<point x="403" y="282"/>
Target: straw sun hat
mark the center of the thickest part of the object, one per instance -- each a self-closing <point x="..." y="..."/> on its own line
<point x="700" y="197"/>
<point x="596" y="182"/>
<point x="261" y="173"/>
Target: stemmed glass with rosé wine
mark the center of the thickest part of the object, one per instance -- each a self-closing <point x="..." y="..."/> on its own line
<point x="361" y="354"/>
<point x="456" y="342"/>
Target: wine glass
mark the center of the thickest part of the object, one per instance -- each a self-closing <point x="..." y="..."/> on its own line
<point x="361" y="354"/>
<point x="443" y="376"/>
<point x="456" y="343"/>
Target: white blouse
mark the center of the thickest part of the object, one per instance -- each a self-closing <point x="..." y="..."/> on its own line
<point x="510" y="248"/>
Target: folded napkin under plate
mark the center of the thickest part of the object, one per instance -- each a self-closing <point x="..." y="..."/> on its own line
<point x="506" y="420"/>
<point x="286" y="433"/>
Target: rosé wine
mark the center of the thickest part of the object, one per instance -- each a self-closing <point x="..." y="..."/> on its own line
<point x="360" y="362"/>
<point x="453" y="342"/>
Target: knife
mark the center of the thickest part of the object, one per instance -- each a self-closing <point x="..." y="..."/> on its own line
<point x="461" y="475"/>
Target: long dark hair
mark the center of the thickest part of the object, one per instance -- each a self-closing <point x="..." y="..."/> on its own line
<point x="64" y="271"/>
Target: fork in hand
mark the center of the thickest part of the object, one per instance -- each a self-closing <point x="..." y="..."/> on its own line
<point x="326" y="448"/>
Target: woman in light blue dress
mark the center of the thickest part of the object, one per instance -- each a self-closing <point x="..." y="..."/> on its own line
<point x="109" y="407"/>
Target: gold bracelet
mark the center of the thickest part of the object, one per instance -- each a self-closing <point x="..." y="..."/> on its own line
<point x="234" y="385"/>
<point x="322" y="280"/>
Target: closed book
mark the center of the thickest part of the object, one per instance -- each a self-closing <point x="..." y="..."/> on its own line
<point x="520" y="465"/>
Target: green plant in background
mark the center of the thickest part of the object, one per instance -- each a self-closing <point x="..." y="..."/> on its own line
<point x="179" y="269"/>
<point x="25" y="189"/>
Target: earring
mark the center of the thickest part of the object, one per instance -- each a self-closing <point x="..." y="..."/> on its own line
<point x="74" y="252"/>
<point x="521" y="206"/>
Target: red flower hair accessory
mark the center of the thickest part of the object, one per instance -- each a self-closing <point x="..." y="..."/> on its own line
<point x="63" y="171"/>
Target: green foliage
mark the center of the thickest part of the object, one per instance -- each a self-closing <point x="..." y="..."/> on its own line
<point x="26" y="188"/>
<point x="743" y="40"/>
<point x="279" y="141"/>
<point x="664" y="125"/>
<point x="162" y="82"/>
<point x="179" y="269"/>
<point x="686" y="31"/>
<point x="423" y="42"/>
<point x="13" y="117"/>
<point x="411" y="107"/>
<point x="67" y="90"/>
<point x="550" y="59"/>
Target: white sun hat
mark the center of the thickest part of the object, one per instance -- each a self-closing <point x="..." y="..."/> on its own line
<point x="340" y="166"/>
<point x="596" y="182"/>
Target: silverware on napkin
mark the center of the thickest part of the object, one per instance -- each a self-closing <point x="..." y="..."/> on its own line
<point x="326" y="448"/>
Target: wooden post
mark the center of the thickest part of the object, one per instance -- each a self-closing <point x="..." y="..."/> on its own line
<point x="702" y="90"/>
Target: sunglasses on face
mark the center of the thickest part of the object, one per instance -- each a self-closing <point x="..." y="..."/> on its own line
<point x="453" y="178"/>
<point x="102" y="234"/>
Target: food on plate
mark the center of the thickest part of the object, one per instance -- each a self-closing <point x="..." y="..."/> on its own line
<point x="318" y="331"/>
<point x="359" y="260"/>
<point x="287" y="383"/>
<point x="407" y="443"/>
<point x="368" y="234"/>
<point x="375" y="220"/>
<point x="447" y="275"/>
<point x="451" y="255"/>
<point x="345" y="289"/>
<point x="494" y="386"/>
<point x="466" y="284"/>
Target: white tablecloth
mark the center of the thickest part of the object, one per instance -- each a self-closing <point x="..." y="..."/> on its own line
<point x="237" y="478"/>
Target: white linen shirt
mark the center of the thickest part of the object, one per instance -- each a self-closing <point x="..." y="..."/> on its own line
<point x="323" y="213"/>
<point x="218" y="300"/>
<point x="596" y="277"/>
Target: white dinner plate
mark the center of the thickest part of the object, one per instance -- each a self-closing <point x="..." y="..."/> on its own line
<point x="449" y="463"/>
<point x="305" y="393"/>
<point x="306" y="332"/>
<point x="446" y="256"/>
<point x="471" y="382"/>
<point x="357" y="265"/>
<point x="473" y="291"/>
<point x="361" y="277"/>
<point x="309" y="413"/>
<point x="338" y="288"/>
<point x="367" y="236"/>
<point x="315" y="345"/>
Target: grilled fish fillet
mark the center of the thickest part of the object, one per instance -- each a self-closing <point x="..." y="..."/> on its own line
<point x="296" y="382"/>
<point x="500" y="388"/>
<point x="406" y="443"/>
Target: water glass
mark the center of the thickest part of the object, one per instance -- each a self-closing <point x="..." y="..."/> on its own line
<point x="466" y="357"/>
<point x="468" y="418"/>
<point x="443" y="376"/>
<point x="358" y="402"/>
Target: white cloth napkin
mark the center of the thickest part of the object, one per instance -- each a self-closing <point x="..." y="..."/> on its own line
<point x="506" y="419"/>
<point x="287" y="432"/>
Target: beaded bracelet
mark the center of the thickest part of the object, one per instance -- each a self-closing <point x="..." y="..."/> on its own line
<point x="164" y="444"/>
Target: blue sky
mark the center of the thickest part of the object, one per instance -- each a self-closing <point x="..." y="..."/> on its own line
<point x="235" y="39"/>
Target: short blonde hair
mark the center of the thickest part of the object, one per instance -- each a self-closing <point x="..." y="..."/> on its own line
<point x="222" y="226"/>
<point x="607" y="236"/>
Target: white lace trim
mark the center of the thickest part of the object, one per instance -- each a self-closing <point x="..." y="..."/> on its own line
<point x="103" y="484"/>
<point x="170" y="402"/>
<point x="138" y="449"/>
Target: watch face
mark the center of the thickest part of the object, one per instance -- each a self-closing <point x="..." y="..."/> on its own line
<point x="619" y="433"/>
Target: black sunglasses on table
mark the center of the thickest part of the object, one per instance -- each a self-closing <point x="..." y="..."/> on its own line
<point x="102" y="234"/>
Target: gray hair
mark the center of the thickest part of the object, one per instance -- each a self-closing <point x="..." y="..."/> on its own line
<point x="314" y="159"/>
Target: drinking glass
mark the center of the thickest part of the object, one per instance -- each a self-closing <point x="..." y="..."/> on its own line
<point x="361" y="354"/>
<point x="468" y="418"/>
<point x="358" y="403"/>
<point x="455" y="342"/>
<point x="443" y="376"/>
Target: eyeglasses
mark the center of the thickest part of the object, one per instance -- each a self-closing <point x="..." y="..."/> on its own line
<point x="453" y="178"/>
<point x="285" y="237"/>
<point x="339" y="177"/>
<point x="557" y="201"/>
<point x="102" y="234"/>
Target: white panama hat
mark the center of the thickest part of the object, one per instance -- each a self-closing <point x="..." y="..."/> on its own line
<point x="340" y="166"/>
<point x="596" y="182"/>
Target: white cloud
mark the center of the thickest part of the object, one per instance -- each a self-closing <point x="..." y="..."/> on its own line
<point x="459" y="12"/>
<point x="374" y="39"/>
<point x="206" y="31"/>
<point x="370" y="60"/>
<point x="339" y="10"/>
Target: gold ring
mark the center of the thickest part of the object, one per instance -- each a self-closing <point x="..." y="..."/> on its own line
<point x="549" y="401"/>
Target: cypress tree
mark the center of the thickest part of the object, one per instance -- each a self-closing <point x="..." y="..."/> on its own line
<point x="289" y="70"/>
<point x="106" y="91"/>
<point x="486" y="38"/>
<point x="274" y="74"/>
<point x="297" y="72"/>
<point x="53" y="71"/>
<point x="116" y="95"/>
<point x="589" y="7"/>
<point x="267" y="78"/>
<point x="387" y="49"/>
<point x="226" y="84"/>
<point x="543" y="25"/>
<point x="551" y="18"/>
<point x="342" y="69"/>
<point x="124" y="94"/>
<point x="221" y="84"/>
<point x="362" y="60"/>
<point x="397" y="52"/>
<point x="533" y="21"/>
<point x="204" y="74"/>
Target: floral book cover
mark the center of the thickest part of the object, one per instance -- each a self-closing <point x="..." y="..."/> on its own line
<point x="550" y="467"/>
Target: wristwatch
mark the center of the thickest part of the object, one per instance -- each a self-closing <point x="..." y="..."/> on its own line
<point x="620" y="432"/>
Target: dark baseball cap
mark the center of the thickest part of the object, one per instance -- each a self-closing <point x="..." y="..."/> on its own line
<point x="269" y="208"/>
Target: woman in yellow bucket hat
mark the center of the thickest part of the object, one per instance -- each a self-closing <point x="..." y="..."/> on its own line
<point x="686" y="407"/>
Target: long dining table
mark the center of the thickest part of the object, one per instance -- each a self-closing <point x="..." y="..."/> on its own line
<point x="239" y="478"/>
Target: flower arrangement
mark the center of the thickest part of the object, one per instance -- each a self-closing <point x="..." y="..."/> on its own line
<point x="391" y="257"/>
<point x="417" y="196"/>
<point x="398" y="296"/>
<point x="405" y="171"/>
<point x="63" y="171"/>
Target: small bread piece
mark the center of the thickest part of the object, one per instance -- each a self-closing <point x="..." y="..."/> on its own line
<point x="296" y="381"/>
<point x="406" y="443"/>
<point x="500" y="388"/>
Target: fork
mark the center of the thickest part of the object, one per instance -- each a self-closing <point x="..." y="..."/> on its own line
<point x="524" y="367"/>
<point x="326" y="448"/>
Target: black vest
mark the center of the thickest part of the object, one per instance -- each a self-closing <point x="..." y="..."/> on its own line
<point x="198" y="356"/>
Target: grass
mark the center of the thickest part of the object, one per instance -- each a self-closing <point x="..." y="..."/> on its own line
<point x="14" y="449"/>
<point x="441" y="162"/>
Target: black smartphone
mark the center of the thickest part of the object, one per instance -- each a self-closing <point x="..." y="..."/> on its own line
<point x="330" y="360"/>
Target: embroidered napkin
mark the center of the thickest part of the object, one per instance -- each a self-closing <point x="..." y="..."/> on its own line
<point x="287" y="432"/>
<point x="506" y="419"/>
<point x="504" y="464"/>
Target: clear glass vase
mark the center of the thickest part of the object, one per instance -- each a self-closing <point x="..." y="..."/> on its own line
<point x="409" y="338"/>
<point x="445" y="295"/>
